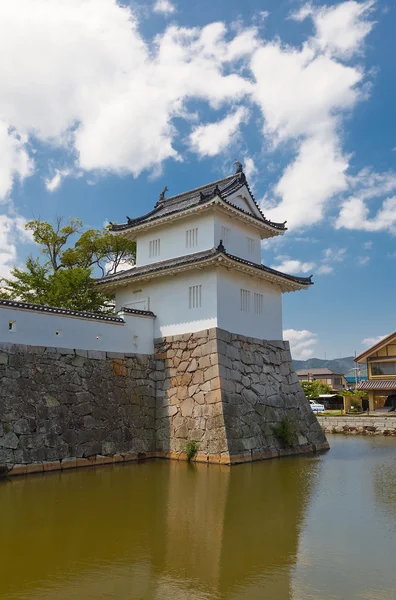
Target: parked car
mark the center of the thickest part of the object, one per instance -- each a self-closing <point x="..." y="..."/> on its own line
<point x="316" y="407"/>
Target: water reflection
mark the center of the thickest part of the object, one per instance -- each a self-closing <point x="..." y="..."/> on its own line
<point x="294" y="529"/>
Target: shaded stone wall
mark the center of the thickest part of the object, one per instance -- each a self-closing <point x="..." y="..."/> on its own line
<point x="61" y="408"/>
<point x="227" y="391"/>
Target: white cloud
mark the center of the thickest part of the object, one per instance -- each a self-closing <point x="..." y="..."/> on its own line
<point x="368" y="245"/>
<point x="371" y="341"/>
<point x="249" y="167"/>
<point x="94" y="87"/>
<point x="211" y="139"/>
<point x="53" y="183"/>
<point x="339" y="29"/>
<point x="304" y="94"/>
<point x="355" y="214"/>
<point x="363" y="260"/>
<point x="15" y="161"/>
<point x="291" y="266"/>
<point x="309" y="182"/>
<point x="12" y="232"/>
<point x="324" y="270"/>
<point x="301" y="342"/>
<point x="164" y="6"/>
<point x="334" y="254"/>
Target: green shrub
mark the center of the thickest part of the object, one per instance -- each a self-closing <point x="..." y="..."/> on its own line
<point x="191" y="449"/>
<point x="356" y="403"/>
<point x="286" y="432"/>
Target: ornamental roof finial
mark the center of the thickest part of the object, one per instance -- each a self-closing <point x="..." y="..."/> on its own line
<point x="162" y="194"/>
<point x="220" y="247"/>
<point x="239" y="166"/>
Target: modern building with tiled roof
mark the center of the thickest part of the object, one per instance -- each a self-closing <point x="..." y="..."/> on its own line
<point x="381" y="370"/>
<point x="198" y="263"/>
<point x="337" y="381"/>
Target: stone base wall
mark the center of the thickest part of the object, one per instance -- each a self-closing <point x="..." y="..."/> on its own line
<point x="61" y="408"/>
<point x="370" y="425"/>
<point x="227" y="392"/>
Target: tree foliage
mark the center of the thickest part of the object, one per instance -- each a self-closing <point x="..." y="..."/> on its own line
<point x="313" y="389"/>
<point x="64" y="275"/>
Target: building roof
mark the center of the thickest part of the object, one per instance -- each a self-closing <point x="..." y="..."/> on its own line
<point x="43" y="308"/>
<point x="67" y="312"/>
<point x="352" y="378"/>
<point x="207" y="257"/>
<point x="221" y="188"/>
<point x="322" y="371"/>
<point x="377" y="384"/>
<point x="362" y="358"/>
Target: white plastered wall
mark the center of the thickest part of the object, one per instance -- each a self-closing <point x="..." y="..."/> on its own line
<point x="266" y="326"/>
<point x="168" y="298"/>
<point x="35" y="328"/>
<point x="173" y="239"/>
<point x="237" y="242"/>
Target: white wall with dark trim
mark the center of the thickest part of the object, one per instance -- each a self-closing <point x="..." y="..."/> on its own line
<point x="135" y="334"/>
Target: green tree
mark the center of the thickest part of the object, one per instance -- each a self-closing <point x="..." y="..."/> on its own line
<point x="64" y="275"/>
<point x="313" y="389"/>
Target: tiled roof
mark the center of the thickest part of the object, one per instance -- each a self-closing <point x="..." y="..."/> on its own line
<point x="60" y="311"/>
<point x="323" y="371"/>
<point x="377" y="384"/>
<point x="198" y="196"/>
<point x="195" y="258"/>
<point x="136" y="311"/>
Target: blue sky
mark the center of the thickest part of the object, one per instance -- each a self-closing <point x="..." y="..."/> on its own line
<point x="103" y="103"/>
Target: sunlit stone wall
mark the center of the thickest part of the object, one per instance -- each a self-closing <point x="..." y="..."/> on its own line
<point x="227" y="392"/>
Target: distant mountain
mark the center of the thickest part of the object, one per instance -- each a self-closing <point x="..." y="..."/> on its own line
<point x="338" y="365"/>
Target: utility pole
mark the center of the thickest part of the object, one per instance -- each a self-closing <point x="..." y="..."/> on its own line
<point x="357" y="373"/>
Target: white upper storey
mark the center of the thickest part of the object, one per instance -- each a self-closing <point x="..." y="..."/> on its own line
<point x="184" y="224"/>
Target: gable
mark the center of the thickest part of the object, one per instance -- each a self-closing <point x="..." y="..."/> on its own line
<point x="386" y="347"/>
<point x="242" y="199"/>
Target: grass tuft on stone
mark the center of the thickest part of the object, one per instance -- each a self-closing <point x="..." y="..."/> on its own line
<point x="191" y="449"/>
<point x="286" y="433"/>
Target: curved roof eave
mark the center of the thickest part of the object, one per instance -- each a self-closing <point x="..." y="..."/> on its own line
<point x="205" y="258"/>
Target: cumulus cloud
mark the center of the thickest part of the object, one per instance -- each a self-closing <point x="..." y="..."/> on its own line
<point x="249" y="167"/>
<point x="90" y="84"/>
<point x="301" y="342"/>
<point x="355" y="214"/>
<point x="54" y="182"/>
<point x="290" y="265"/>
<point x="211" y="139"/>
<point x="15" y="162"/>
<point x="12" y="232"/>
<point x="371" y="341"/>
<point x="324" y="270"/>
<point x="334" y="254"/>
<point x="363" y="260"/>
<point x="340" y="29"/>
<point x="164" y="6"/>
<point x="304" y="94"/>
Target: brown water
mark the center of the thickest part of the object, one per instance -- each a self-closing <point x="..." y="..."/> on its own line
<point x="299" y="528"/>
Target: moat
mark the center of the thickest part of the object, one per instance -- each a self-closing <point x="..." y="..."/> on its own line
<point x="301" y="528"/>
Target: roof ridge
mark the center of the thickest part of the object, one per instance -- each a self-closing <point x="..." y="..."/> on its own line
<point x="234" y="175"/>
